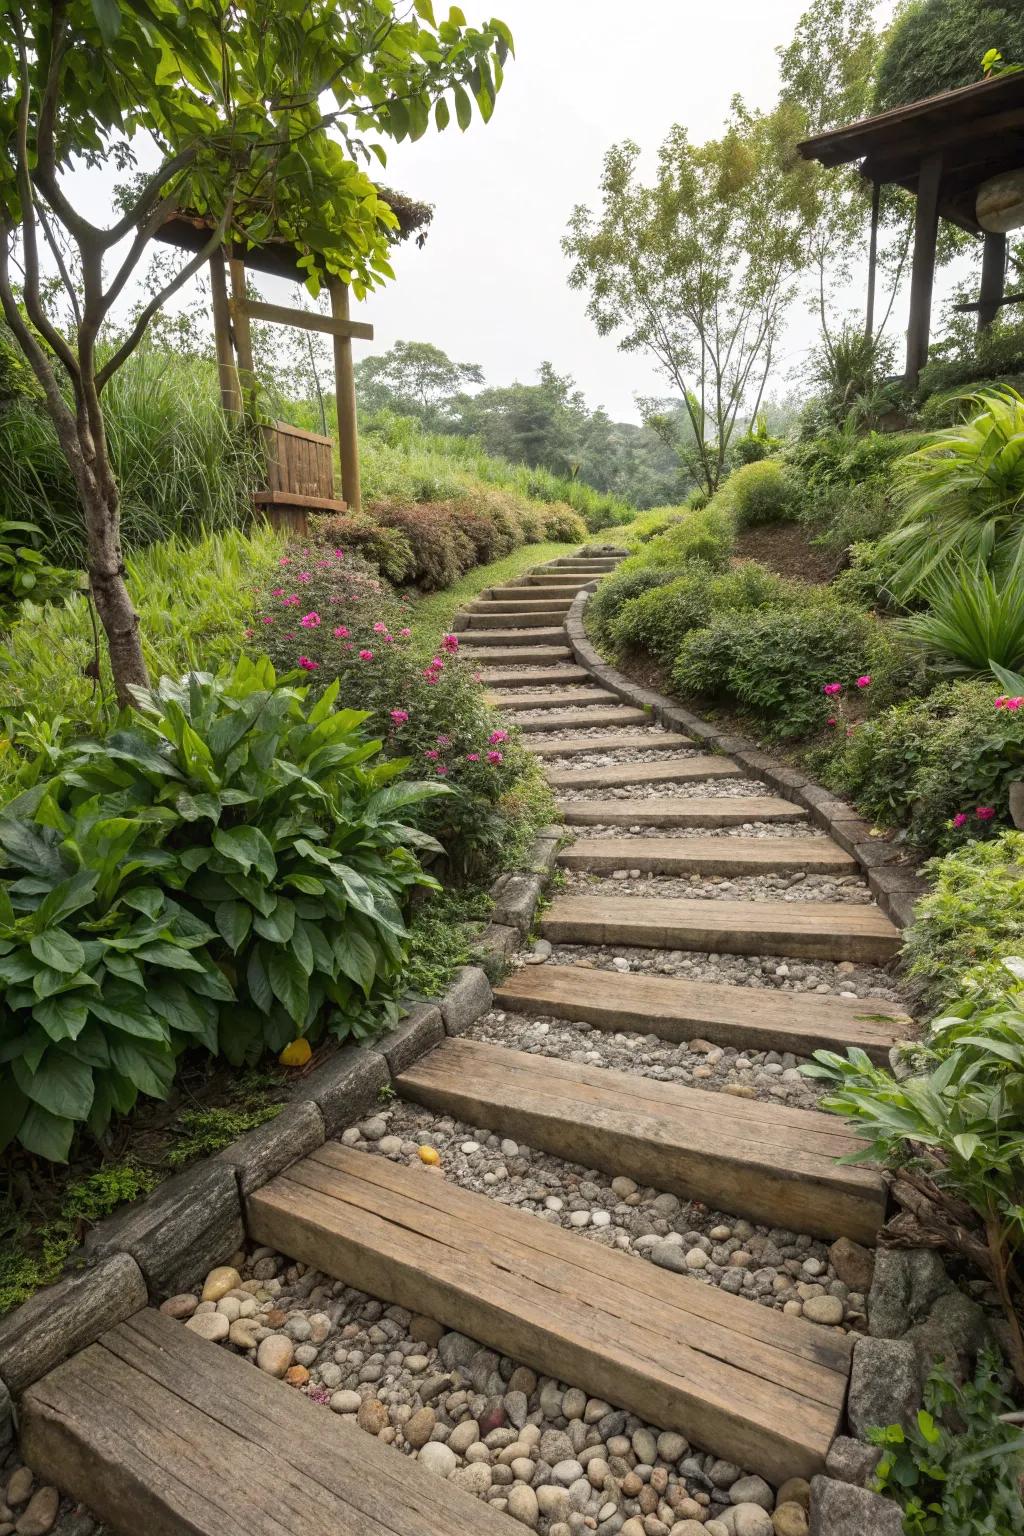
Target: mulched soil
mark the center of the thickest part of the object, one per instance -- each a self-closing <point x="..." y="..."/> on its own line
<point x="786" y="548"/>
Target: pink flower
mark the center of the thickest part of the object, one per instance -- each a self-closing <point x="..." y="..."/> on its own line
<point x="441" y="769"/>
<point x="249" y="633"/>
<point x="341" y="633"/>
<point x="864" y="682"/>
<point x="1007" y="703"/>
<point x="310" y="621"/>
<point x="495" y="758"/>
<point x="985" y="812"/>
<point x="831" y="720"/>
<point x="379" y="628"/>
<point x="832" y="688"/>
<point x="307" y="665"/>
<point x="431" y="678"/>
<point x="497" y="736"/>
<point x="277" y="591"/>
<point x="405" y="633"/>
<point x="444" y="741"/>
<point x="365" y="655"/>
<point x="437" y="663"/>
<point x="285" y="560"/>
<point x="450" y="643"/>
<point x="472" y="757"/>
<point x="960" y="819"/>
<point x="267" y="619"/>
<point x="290" y="602"/>
<point x="305" y="576"/>
<point x="431" y="756"/>
<point x="339" y="554"/>
<point x="399" y="716"/>
<point x="1001" y="702"/>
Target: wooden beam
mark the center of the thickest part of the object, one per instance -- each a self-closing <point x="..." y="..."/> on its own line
<point x="922" y="280"/>
<point x="993" y="279"/>
<point x="345" y="394"/>
<point x="240" y="328"/>
<point x="972" y="305"/>
<point x="230" y="388"/>
<point x="280" y="314"/>
<point x="869" y="322"/>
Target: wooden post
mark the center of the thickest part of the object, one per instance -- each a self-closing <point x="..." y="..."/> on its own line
<point x="926" y="229"/>
<point x="869" y="323"/>
<point x="240" y="330"/>
<point x="230" y="389"/>
<point x="345" y="397"/>
<point x="993" y="279"/>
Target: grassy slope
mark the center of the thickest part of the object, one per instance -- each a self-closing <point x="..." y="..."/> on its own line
<point x="434" y="614"/>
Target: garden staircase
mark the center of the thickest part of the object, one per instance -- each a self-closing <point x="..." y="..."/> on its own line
<point x="162" y="1433"/>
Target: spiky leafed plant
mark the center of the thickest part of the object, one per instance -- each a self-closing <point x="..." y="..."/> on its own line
<point x="974" y="618"/>
<point x="961" y="496"/>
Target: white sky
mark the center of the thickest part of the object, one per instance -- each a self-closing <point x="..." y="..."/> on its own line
<point x="489" y="286"/>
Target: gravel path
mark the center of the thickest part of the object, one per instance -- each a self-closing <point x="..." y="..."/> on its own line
<point x="693" y="789"/>
<point x="766" y="829"/>
<point x="773" y="888"/>
<point x="841" y="979"/>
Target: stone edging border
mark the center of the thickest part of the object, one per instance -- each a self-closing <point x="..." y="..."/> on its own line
<point x="196" y="1219"/>
<point x="893" y="876"/>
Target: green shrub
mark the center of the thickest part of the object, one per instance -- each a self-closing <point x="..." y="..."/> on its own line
<point x="867" y="580"/>
<point x="627" y="582"/>
<point x="974" y="915"/>
<point x="224" y="871"/>
<point x="759" y="493"/>
<point x="386" y="548"/>
<point x="924" y="762"/>
<point x="658" y="621"/>
<point x="563" y="526"/>
<point x="647" y="525"/>
<point x="24" y="573"/>
<point x="776" y="661"/>
<point x="705" y="535"/>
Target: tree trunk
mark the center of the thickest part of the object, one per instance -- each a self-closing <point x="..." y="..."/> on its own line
<point x="110" y="593"/>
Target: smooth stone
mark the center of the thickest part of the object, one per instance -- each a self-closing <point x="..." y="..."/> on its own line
<point x="438" y="1458"/>
<point x="180" y="1307"/>
<point x="566" y="1472"/>
<point x="854" y="1264"/>
<point x="372" y="1416"/>
<point x="219" y="1281"/>
<point x="40" y="1513"/>
<point x="420" y="1427"/>
<point x="751" y="1520"/>
<point x="553" y="1503"/>
<point x="210" y="1325"/>
<point x="795" y="1490"/>
<point x="463" y="1436"/>
<point x="522" y="1505"/>
<point x="823" y="1309"/>
<point x="275" y="1354"/>
<point x="752" y="1490"/>
<point x="19" y="1486"/>
<point x="645" y="1445"/>
<point x="790" y="1519"/>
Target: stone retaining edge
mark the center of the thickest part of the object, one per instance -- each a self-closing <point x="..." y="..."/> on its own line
<point x="892" y="875"/>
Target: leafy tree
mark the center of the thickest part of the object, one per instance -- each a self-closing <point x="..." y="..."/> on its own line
<point x="937" y="45"/>
<point x="697" y="269"/>
<point x="258" y="112"/>
<point x="536" y="424"/>
<point x="414" y="378"/>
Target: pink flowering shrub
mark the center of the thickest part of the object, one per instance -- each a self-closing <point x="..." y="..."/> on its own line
<point x="339" y="610"/>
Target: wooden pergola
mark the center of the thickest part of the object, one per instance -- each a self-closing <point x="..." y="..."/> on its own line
<point x="943" y="150"/>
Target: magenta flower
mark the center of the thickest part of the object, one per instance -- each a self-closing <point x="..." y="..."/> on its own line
<point x="277" y="591"/>
<point x="305" y="576"/>
<point x="444" y="741"/>
<point x="285" y="560"/>
<point x="441" y="769"/>
<point x="496" y="736"/>
<point x="365" y="655"/>
<point x="405" y="633"/>
<point x="431" y="756"/>
<point x="379" y="628"/>
<point x="290" y="602"/>
<point x="495" y="758"/>
<point x="960" y="819"/>
<point x="450" y="643"/>
<point x="985" y="812"/>
<point x="310" y="621"/>
<point x="832" y="688"/>
<point x="831" y="720"/>
<point x="437" y="663"/>
<point x="399" y="716"/>
<point x="267" y="619"/>
<point x="472" y="757"/>
<point x="865" y="681"/>
<point x="1004" y="702"/>
<point x="341" y="633"/>
<point x="307" y="665"/>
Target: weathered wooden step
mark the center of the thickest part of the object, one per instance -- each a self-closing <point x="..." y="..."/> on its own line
<point x="765" y="1161"/>
<point x="560" y="578"/>
<point x="507" y="637"/>
<point x="553" y="698"/>
<point x="709" y="855"/>
<point x="569" y="746"/>
<point x="703" y="766"/>
<point x="528" y="594"/>
<point x="520" y="605"/>
<point x="533" y="677"/>
<point x="750" y="1018"/>
<point x="743" y="1380"/>
<point x="723" y="811"/>
<point x="481" y="618"/>
<point x="580" y="719"/>
<point x="803" y="930"/>
<point x="162" y="1433"/>
<point x="541" y="655"/>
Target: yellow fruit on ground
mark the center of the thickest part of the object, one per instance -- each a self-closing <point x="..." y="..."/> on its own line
<point x="430" y="1155"/>
<point x="296" y="1054"/>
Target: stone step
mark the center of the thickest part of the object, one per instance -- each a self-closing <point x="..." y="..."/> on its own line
<point x="742" y="1380"/>
<point x="534" y="677"/>
<point x="720" y="811"/>
<point x="506" y="636"/>
<point x="573" y="719"/>
<point x="539" y="655"/>
<point x="749" y="1018"/>
<point x="581" y="565"/>
<point x="528" y="594"/>
<point x="161" y="1432"/>
<point x="540" y="604"/>
<point x="800" y="930"/>
<point x="704" y="766"/>
<point x="710" y="855"/>
<point x="553" y="698"/>
<point x="560" y="579"/>
<point x="570" y="746"/>
<point x="521" y="618"/>
<point x="765" y="1161"/>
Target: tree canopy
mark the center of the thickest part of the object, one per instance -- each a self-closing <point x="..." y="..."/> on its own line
<point x="937" y="45"/>
<point x="414" y="378"/>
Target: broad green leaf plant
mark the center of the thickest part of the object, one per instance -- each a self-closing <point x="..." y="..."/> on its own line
<point x="227" y="871"/>
<point x="260" y="114"/>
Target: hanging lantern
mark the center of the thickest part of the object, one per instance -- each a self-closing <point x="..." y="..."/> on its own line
<point x="1000" y="203"/>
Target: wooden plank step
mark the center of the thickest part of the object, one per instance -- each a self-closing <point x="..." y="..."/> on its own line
<point x="726" y="1374"/>
<point x="533" y="677"/>
<point x="159" y="1431"/>
<point x="750" y="1018"/>
<point x="552" y="698"/>
<point x="803" y="930"/>
<point x="569" y="746"/>
<point x="723" y="811"/>
<point x="561" y="578"/>
<point x="529" y="594"/>
<point x="542" y="655"/>
<point x="709" y="855"/>
<point x="573" y="719"/>
<point x="765" y="1161"/>
<point x="487" y="604"/>
<point x="703" y="766"/>
<point x="507" y="637"/>
<point x="480" y="618"/>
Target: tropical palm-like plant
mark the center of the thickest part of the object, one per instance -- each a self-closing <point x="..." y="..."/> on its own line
<point x="961" y="496"/>
<point x="974" y="619"/>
